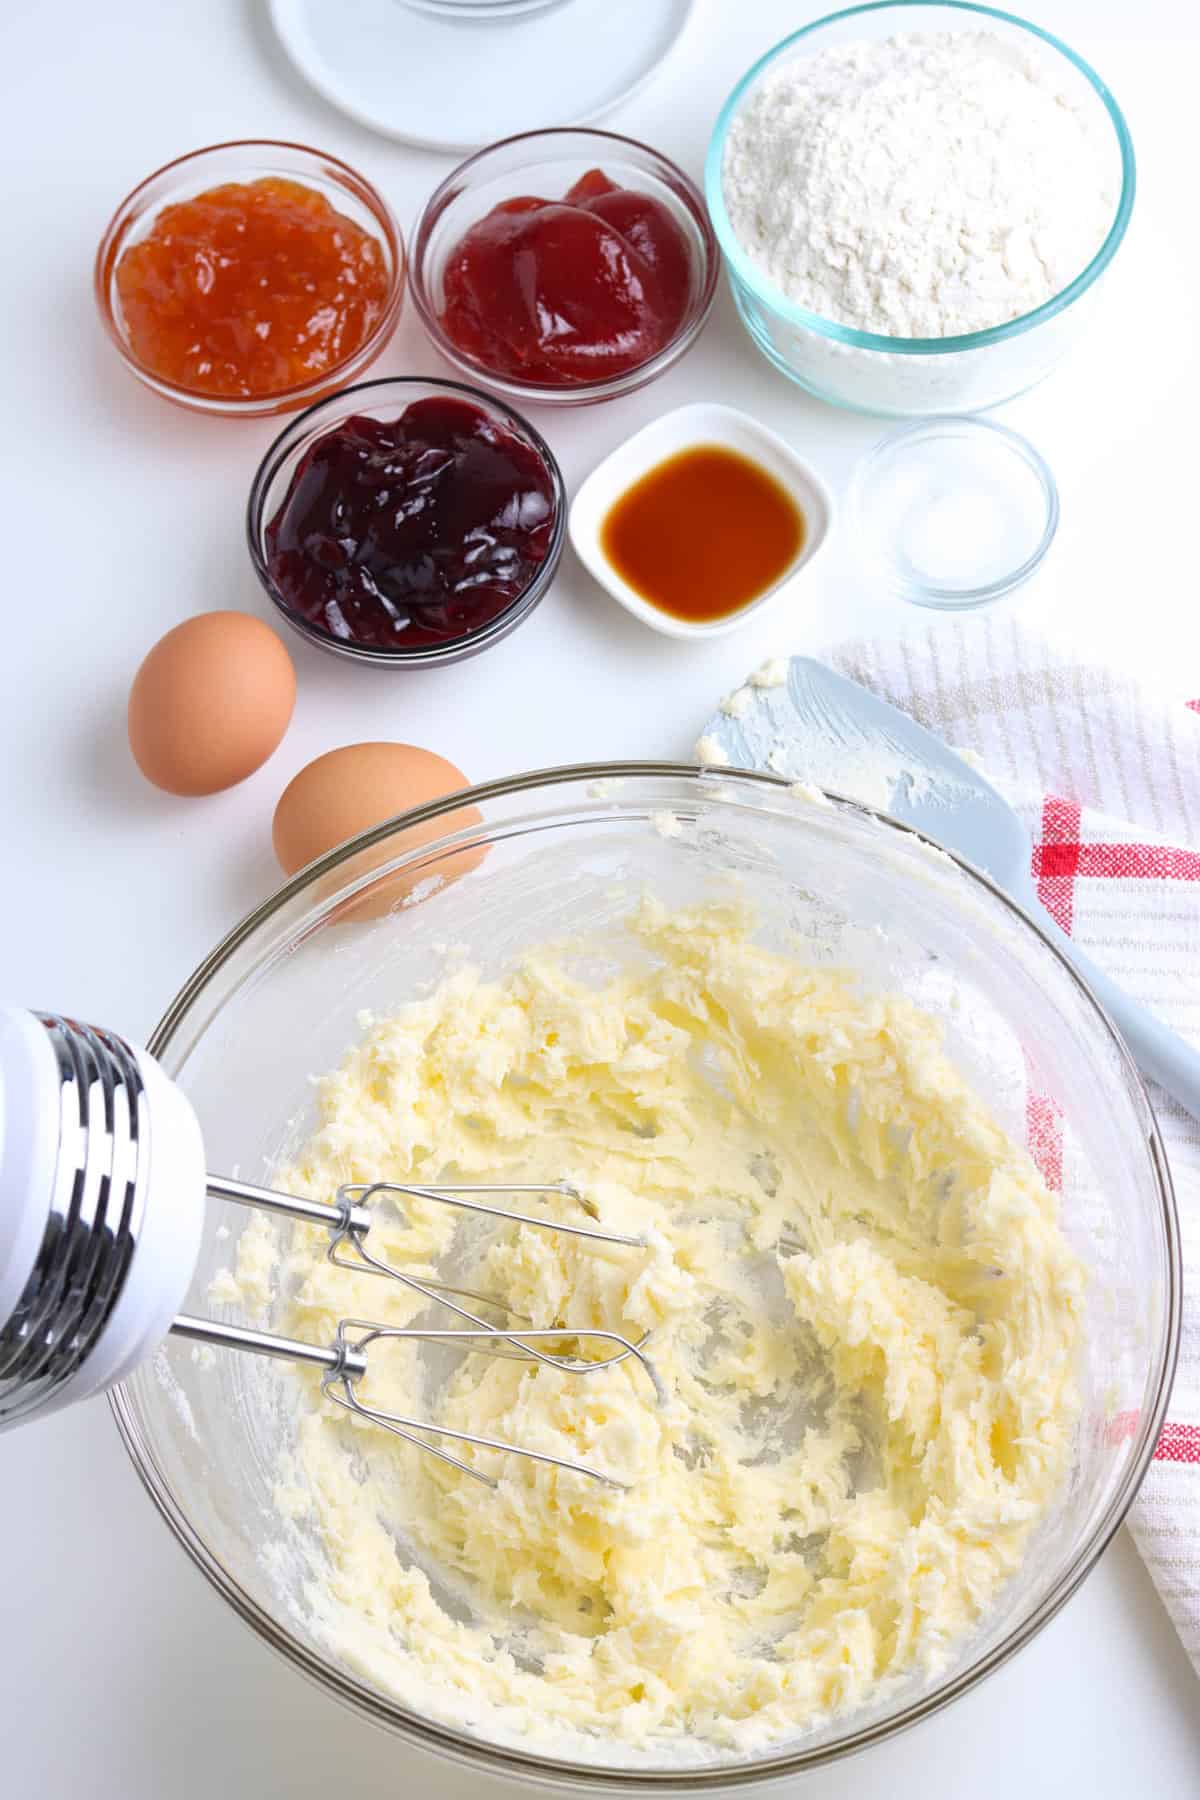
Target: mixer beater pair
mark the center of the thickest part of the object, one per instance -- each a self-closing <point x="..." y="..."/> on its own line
<point x="102" y="1191"/>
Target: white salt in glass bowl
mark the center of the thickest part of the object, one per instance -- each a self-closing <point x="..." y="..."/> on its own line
<point x="569" y="851"/>
<point x="913" y="377"/>
<point x="952" y="513"/>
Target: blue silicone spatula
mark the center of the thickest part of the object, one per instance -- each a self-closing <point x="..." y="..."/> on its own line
<point x="821" y="727"/>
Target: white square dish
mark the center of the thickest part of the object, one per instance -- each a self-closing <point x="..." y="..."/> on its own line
<point x="687" y="428"/>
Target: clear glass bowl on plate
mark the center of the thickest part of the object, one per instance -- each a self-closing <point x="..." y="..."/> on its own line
<point x="913" y="377"/>
<point x="570" y="850"/>
<point x="482" y="12"/>
<point x="547" y="163"/>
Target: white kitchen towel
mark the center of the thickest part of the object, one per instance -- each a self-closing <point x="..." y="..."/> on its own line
<point x="1106" y="775"/>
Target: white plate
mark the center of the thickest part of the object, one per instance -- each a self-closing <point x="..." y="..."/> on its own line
<point x="684" y="429"/>
<point x="456" y="85"/>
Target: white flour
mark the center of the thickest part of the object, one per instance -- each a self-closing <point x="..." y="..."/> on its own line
<point x="923" y="185"/>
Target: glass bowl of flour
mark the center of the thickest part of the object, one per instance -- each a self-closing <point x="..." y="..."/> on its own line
<point x="906" y="1253"/>
<point x="915" y="203"/>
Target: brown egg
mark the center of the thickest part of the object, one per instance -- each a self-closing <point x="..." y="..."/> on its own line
<point x="210" y="703"/>
<point x="347" y="790"/>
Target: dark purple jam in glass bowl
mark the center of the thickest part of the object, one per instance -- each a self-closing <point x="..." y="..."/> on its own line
<point x="416" y="525"/>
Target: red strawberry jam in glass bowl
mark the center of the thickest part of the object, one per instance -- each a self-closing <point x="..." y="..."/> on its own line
<point x="564" y="266"/>
<point x="406" y="522"/>
<point x="250" y="278"/>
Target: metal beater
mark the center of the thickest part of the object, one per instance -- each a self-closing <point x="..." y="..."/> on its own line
<point x="102" y="1191"/>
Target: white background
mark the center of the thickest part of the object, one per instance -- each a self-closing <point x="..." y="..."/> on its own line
<point x="121" y="1673"/>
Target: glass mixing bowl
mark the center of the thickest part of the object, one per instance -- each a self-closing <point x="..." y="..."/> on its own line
<point x="913" y="377"/>
<point x="569" y="851"/>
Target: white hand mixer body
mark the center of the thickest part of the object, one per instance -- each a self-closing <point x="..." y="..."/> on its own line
<point x="103" y="1188"/>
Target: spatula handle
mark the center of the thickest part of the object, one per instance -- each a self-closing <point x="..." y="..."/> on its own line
<point x="1159" y="1052"/>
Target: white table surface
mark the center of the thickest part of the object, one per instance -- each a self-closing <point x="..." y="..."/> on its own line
<point x="121" y="1673"/>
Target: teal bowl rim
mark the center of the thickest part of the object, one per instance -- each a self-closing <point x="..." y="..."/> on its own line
<point x="752" y="278"/>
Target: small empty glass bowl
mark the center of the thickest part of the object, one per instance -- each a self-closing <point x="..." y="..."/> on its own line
<point x="487" y="12"/>
<point x="547" y="163"/>
<point x="953" y="512"/>
<point x="244" y="161"/>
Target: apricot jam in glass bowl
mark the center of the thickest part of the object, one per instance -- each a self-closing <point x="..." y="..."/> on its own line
<point x="407" y="522"/>
<point x="564" y="266"/>
<point x="250" y="278"/>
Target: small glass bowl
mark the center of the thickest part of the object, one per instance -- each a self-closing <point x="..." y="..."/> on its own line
<point x="485" y="12"/>
<point x="548" y="163"/>
<point x="917" y="377"/>
<point x="953" y="512"/>
<point x="387" y="399"/>
<point x="246" y="160"/>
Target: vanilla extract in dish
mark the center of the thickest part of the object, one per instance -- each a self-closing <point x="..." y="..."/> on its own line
<point x="414" y="532"/>
<point x="703" y="534"/>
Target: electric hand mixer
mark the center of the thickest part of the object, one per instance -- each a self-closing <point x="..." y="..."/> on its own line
<point x="102" y="1190"/>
